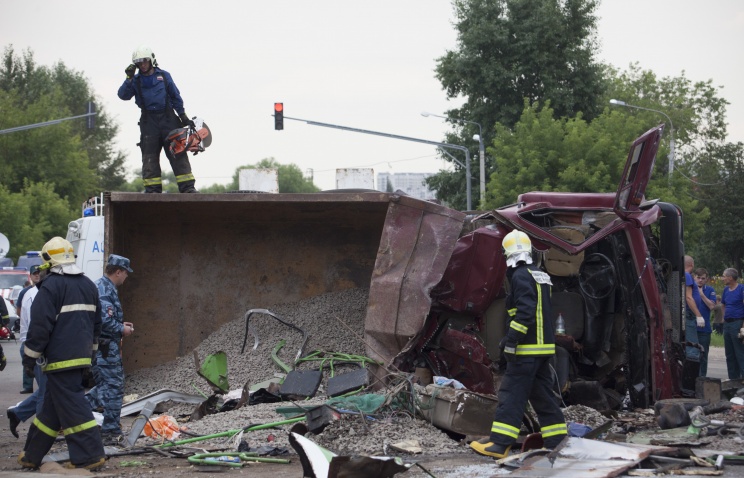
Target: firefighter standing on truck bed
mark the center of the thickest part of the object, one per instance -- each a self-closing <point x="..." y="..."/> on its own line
<point x="62" y="335"/>
<point x="157" y="96"/>
<point x="527" y="347"/>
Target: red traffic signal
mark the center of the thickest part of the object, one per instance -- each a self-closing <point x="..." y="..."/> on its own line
<point x="278" y="116"/>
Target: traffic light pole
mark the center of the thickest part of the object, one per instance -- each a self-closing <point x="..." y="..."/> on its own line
<point x="457" y="147"/>
<point x="90" y="114"/>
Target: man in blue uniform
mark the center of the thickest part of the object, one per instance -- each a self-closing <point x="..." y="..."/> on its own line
<point x="527" y="347"/>
<point x="108" y="370"/>
<point x="63" y="332"/>
<point x="705" y="303"/>
<point x="157" y="96"/>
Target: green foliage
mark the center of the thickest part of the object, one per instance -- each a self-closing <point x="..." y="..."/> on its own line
<point x="289" y="177"/>
<point x="720" y="174"/>
<point x="544" y="153"/>
<point x="32" y="216"/>
<point x="509" y="50"/>
<point x="46" y="172"/>
<point x="696" y="109"/>
<point x="78" y="160"/>
<point x="290" y="180"/>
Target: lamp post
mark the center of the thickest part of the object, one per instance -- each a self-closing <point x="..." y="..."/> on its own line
<point x="406" y="138"/>
<point x="481" y="150"/>
<point x="671" y="130"/>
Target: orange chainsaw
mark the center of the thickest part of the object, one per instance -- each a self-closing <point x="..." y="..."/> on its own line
<point x="194" y="139"/>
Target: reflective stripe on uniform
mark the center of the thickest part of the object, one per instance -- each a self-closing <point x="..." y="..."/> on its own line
<point x="181" y="178"/>
<point x="66" y="364"/>
<point x="518" y="327"/>
<point x="504" y="429"/>
<point x="45" y="429"/>
<point x="77" y="308"/>
<point x="152" y="181"/>
<point x="512" y="312"/>
<point x="80" y="428"/>
<point x="536" y="349"/>
<point x="540" y="332"/>
<point x="553" y="430"/>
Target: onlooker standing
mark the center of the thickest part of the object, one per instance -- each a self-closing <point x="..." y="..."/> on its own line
<point x="706" y="304"/>
<point x="34" y="272"/>
<point x="108" y="369"/>
<point x="33" y="404"/>
<point x="693" y="319"/>
<point x="64" y="329"/>
<point x="732" y="305"/>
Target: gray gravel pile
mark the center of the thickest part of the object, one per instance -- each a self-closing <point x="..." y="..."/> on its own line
<point x="316" y="315"/>
<point x="347" y="436"/>
<point x="584" y="415"/>
<point x="351" y="436"/>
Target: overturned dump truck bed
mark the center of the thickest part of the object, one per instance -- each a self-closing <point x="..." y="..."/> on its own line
<point x="202" y="260"/>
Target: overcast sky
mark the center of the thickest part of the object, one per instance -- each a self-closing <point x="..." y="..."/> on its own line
<point x="367" y="65"/>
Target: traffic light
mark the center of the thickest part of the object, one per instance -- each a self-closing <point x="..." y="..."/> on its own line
<point x="278" y="116"/>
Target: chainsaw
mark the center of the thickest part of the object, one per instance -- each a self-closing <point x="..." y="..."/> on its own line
<point x="194" y="139"/>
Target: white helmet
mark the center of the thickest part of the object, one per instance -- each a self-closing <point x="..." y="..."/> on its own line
<point x="143" y="52"/>
<point x="58" y="251"/>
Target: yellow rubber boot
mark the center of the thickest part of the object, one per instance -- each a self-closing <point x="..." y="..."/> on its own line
<point x="93" y="465"/>
<point x="24" y="463"/>
<point x="490" y="449"/>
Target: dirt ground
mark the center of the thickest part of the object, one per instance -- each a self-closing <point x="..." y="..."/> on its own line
<point x="152" y="464"/>
<point x="440" y="466"/>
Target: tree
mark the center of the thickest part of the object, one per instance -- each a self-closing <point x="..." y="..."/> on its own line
<point x="289" y="176"/>
<point x="719" y="187"/>
<point x="32" y="216"/>
<point x="697" y="109"/>
<point x="77" y="160"/>
<point x="545" y="153"/>
<point x="290" y="180"/>
<point x="509" y="50"/>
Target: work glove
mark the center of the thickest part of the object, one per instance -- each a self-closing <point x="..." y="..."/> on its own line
<point x="28" y="365"/>
<point x="185" y="121"/>
<point x="700" y="322"/>
<point x="130" y="71"/>
<point x="3" y="362"/>
<point x="508" y="349"/>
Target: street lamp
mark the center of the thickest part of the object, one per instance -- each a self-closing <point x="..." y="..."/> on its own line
<point x="406" y="138"/>
<point x="481" y="150"/>
<point x="671" y="130"/>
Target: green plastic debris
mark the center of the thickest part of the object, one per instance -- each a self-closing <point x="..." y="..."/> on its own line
<point x="214" y="371"/>
<point x="367" y="403"/>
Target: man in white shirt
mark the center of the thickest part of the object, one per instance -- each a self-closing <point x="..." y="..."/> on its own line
<point x="31" y="405"/>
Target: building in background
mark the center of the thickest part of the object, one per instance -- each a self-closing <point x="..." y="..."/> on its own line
<point x="412" y="184"/>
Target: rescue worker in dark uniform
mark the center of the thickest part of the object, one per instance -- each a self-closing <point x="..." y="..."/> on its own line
<point x="527" y="347"/>
<point x="157" y="96"/>
<point x="108" y="370"/>
<point x="62" y="335"/>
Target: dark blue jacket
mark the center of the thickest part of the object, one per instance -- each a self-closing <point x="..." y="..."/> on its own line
<point x="530" y="312"/>
<point x="149" y="92"/>
<point x="65" y="322"/>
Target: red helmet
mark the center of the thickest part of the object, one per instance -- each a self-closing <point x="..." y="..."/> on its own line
<point x="4" y="332"/>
